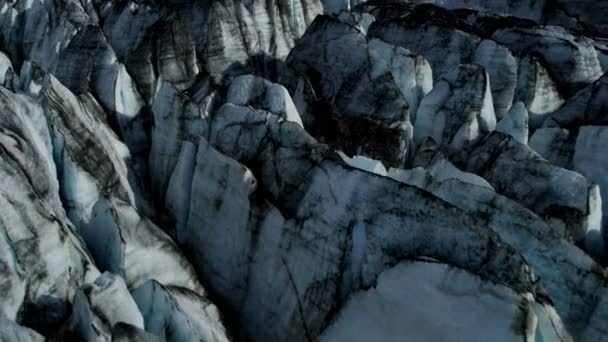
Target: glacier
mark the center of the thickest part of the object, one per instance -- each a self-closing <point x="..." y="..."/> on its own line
<point x="303" y="170"/>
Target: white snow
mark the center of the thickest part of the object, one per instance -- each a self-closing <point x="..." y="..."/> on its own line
<point x="364" y="163"/>
<point x="5" y="67"/>
<point x="487" y="117"/>
<point x="422" y="301"/>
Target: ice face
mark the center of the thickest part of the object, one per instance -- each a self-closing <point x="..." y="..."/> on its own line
<point x="458" y="111"/>
<point x="515" y="123"/>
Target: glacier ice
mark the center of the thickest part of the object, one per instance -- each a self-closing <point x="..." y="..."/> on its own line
<point x="453" y="304"/>
<point x="299" y="170"/>
<point x="515" y="123"/>
<point x="176" y="315"/>
<point x="13" y="332"/>
<point x="100" y="305"/>
<point x="458" y="111"/>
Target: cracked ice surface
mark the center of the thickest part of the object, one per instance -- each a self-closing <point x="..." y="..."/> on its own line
<point x="303" y="170"/>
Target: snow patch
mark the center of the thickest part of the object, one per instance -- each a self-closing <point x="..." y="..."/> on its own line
<point x="364" y="163"/>
<point x="421" y="301"/>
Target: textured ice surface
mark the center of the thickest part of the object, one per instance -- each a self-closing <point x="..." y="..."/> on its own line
<point x="100" y="305"/>
<point x="458" y="111"/>
<point x="13" y="332"/>
<point x="361" y="174"/>
<point x="515" y="123"/>
<point x="434" y="302"/>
